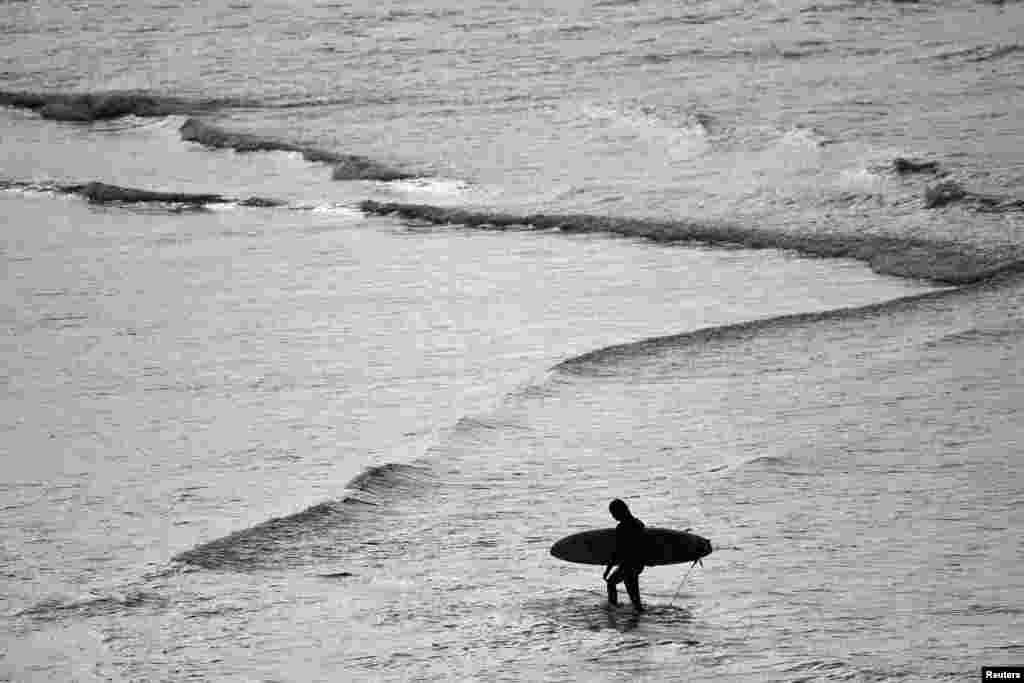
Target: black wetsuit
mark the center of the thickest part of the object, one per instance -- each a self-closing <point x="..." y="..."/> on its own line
<point x="629" y="554"/>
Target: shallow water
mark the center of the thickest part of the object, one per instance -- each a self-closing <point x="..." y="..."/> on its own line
<point x="281" y="441"/>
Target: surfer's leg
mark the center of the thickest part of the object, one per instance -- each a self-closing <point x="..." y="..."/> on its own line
<point x="632" y="581"/>
<point x="613" y="593"/>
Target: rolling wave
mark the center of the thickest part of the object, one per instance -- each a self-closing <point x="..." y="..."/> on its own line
<point x="104" y="193"/>
<point x="981" y="336"/>
<point x="951" y="192"/>
<point x="979" y="53"/>
<point x="268" y="543"/>
<point x="943" y="262"/>
<point x="600" y="361"/>
<point x="92" y="606"/>
<point x="905" y="166"/>
<point x="101" y="106"/>
<point x="346" y="166"/>
<point x="381" y="481"/>
<point x="279" y="541"/>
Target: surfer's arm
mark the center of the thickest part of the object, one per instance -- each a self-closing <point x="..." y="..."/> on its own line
<point x="615" y="552"/>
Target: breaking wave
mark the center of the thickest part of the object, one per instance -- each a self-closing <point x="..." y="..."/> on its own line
<point x="981" y="336"/>
<point x="101" y="106"/>
<point x="689" y="345"/>
<point x="297" y="539"/>
<point x="91" y="605"/>
<point x="346" y="166"/>
<point x="104" y="193"/>
<point x="944" y="262"/>
<point x="951" y="192"/>
<point x="979" y="53"/>
<point x="601" y="360"/>
<point x="375" y="484"/>
<point x="268" y="543"/>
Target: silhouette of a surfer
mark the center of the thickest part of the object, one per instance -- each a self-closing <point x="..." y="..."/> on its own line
<point x="629" y="554"/>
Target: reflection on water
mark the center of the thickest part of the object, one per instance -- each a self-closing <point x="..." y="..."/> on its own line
<point x="589" y="610"/>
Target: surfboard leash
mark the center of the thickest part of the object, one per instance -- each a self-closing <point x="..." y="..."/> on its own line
<point x="685" y="576"/>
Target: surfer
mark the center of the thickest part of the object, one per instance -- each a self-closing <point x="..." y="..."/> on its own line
<point x="629" y="538"/>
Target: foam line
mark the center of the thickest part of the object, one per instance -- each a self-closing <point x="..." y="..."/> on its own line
<point x="943" y="262"/>
<point x="346" y="166"/>
<point x="101" y="106"/>
<point x="104" y="193"/>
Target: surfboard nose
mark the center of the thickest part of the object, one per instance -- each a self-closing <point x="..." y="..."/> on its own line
<point x="705" y="547"/>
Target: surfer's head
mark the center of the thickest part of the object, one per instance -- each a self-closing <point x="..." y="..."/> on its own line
<point x="619" y="510"/>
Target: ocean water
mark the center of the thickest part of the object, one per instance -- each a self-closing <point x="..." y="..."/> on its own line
<point x="322" y="321"/>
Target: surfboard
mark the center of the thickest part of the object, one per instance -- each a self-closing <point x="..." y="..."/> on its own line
<point x="663" y="546"/>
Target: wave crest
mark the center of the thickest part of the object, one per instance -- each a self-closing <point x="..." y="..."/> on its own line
<point x="944" y="262"/>
<point x="346" y="166"/>
<point x="982" y="336"/>
<point x="101" y="106"/>
<point x="979" y="53"/>
<point x="92" y="605"/>
<point x="96" y="192"/>
<point x="951" y="192"/>
<point x="300" y="538"/>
